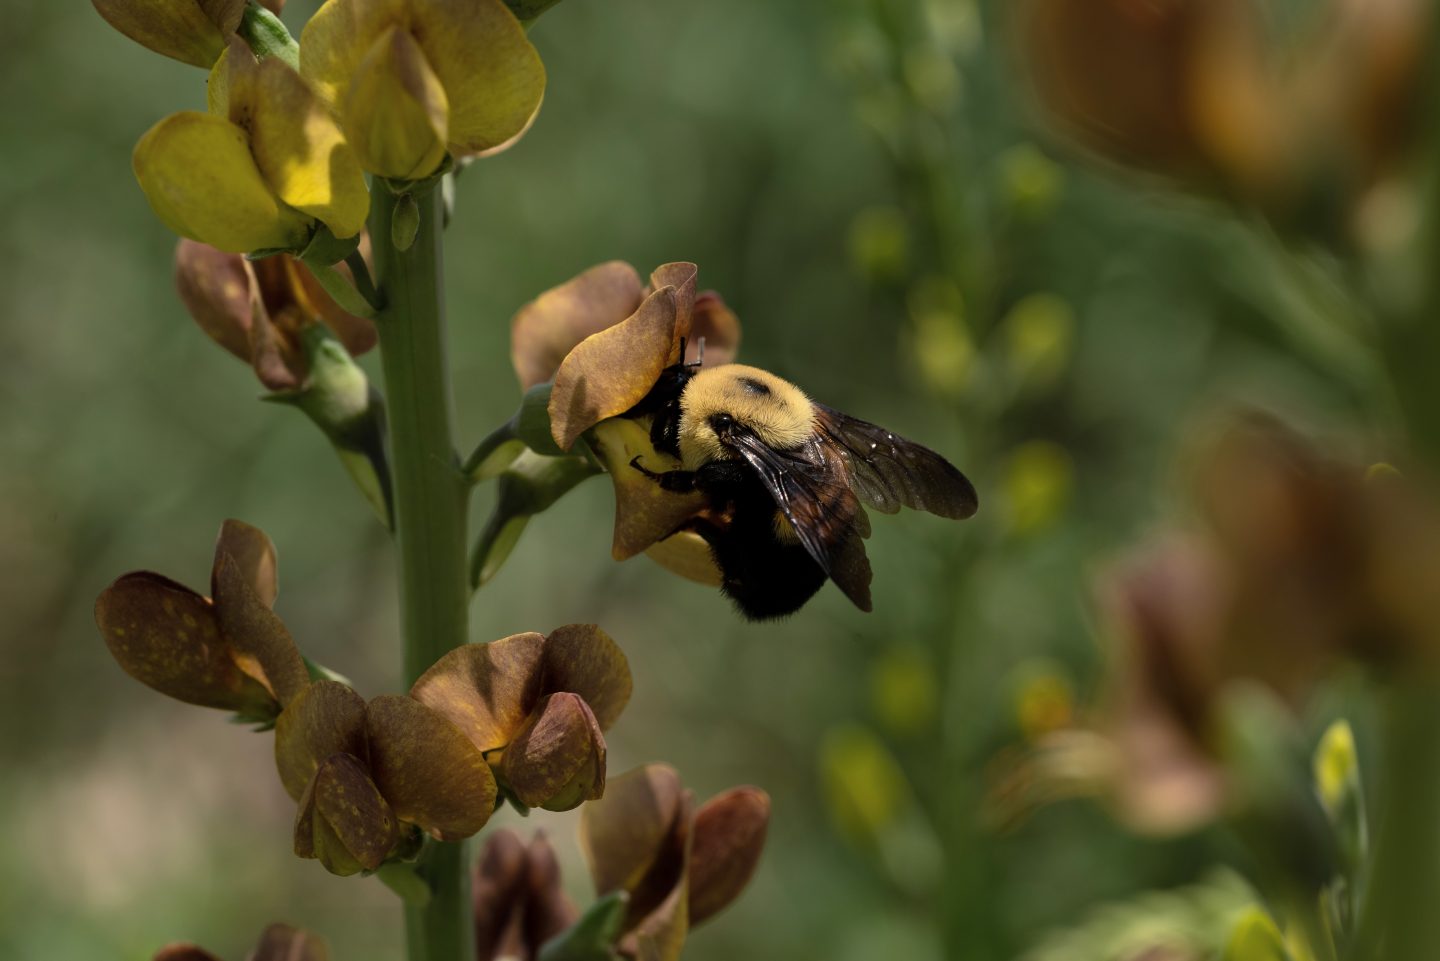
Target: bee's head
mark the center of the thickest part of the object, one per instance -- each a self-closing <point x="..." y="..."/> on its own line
<point x="722" y="404"/>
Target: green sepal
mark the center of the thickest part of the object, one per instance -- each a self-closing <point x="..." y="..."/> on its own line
<point x="402" y="878"/>
<point x="528" y="11"/>
<point x="1255" y="938"/>
<point x="268" y="36"/>
<point x="324" y="251"/>
<point x="530" y="485"/>
<point x="591" y="938"/>
<point x="532" y="422"/>
<point x="319" y="672"/>
<point x="404" y="222"/>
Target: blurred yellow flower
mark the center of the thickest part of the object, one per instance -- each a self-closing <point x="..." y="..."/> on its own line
<point x="191" y="31"/>
<point x="410" y="81"/>
<point x="259" y="176"/>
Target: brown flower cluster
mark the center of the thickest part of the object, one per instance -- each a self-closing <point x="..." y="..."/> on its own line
<point x="523" y="716"/>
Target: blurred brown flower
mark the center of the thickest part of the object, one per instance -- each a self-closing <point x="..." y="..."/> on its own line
<point x="279" y="942"/>
<point x="228" y="651"/>
<point x="518" y="898"/>
<point x="257" y="309"/>
<point x="680" y="866"/>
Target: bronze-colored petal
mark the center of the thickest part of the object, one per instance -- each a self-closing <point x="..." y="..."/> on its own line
<point x="274" y="355"/>
<point x="645" y="513"/>
<point x="660" y="935"/>
<point x="557" y="760"/>
<point x="660" y="904"/>
<point x="166" y="637"/>
<point x="347" y="808"/>
<point x="184" y="952"/>
<point x="486" y="690"/>
<point x="718" y="326"/>
<point x="726" y="841"/>
<point x="624" y="833"/>
<point x="258" y="639"/>
<point x="254" y="554"/>
<point x="497" y="891"/>
<point x="429" y="772"/>
<point x="681" y="276"/>
<point x="326" y="718"/>
<point x="612" y="371"/>
<point x="281" y="942"/>
<point x="584" y="660"/>
<point x="218" y="291"/>
<point x="551" y="325"/>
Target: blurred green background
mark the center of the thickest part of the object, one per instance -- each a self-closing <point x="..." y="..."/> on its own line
<point x="862" y="183"/>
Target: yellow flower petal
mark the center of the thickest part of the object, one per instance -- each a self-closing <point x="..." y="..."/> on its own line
<point x="395" y="110"/>
<point x="297" y="144"/>
<point x="191" y="31"/>
<point x="198" y="174"/>
<point x="338" y="37"/>
<point x="488" y="67"/>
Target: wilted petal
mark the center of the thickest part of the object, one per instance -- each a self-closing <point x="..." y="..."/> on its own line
<point x="350" y="826"/>
<point x="717" y="325"/>
<point x="687" y="554"/>
<point x="166" y="637"/>
<point x="490" y="71"/>
<point x="486" y="690"/>
<point x="611" y="371"/>
<point x="254" y="556"/>
<point x="429" y="772"/>
<point x="681" y="276"/>
<point x="258" y="639"/>
<point x="395" y="110"/>
<point x="584" y="660"/>
<point x="557" y="760"/>
<point x="281" y="942"/>
<point x="726" y="841"/>
<point x="296" y="144"/>
<point x="218" y="291"/>
<point x="624" y="833"/>
<point x="645" y="513"/>
<point x="191" y="31"/>
<point x="202" y="182"/>
<point x="549" y="327"/>
<point x="328" y="718"/>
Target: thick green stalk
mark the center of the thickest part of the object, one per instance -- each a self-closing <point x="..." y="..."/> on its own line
<point x="430" y="509"/>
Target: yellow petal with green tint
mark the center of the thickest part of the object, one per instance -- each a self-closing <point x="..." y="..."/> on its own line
<point x="299" y="148"/>
<point x="395" y="112"/>
<point x="185" y="30"/>
<point x="198" y="174"/>
<point x="338" y="37"/>
<point x="217" y="86"/>
<point x="489" y="69"/>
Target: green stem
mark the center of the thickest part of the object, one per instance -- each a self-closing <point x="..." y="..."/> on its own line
<point x="430" y="515"/>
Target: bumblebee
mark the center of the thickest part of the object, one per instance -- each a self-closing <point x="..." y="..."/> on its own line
<point x="786" y="482"/>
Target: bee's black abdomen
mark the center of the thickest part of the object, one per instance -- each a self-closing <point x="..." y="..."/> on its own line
<point x="766" y="579"/>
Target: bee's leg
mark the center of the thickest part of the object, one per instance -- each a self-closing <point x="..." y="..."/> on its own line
<point x="676" y="481"/>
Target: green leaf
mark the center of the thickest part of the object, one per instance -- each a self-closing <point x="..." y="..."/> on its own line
<point x="1256" y="938"/>
<point x="593" y="936"/>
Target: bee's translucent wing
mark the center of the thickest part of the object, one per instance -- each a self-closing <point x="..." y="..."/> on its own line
<point x="889" y="472"/>
<point x="810" y="490"/>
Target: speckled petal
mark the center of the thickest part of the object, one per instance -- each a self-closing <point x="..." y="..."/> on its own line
<point x="557" y="759"/>
<point x="584" y="660"/>
<point x="328" y="718"/>
<point x="486" y="690"/>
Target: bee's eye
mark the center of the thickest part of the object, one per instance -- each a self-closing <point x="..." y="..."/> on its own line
<point x="721" y="423"/>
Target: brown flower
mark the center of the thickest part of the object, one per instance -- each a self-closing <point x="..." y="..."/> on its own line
<point x="279" y="942"/>
<point x="680" y="866"/>
<point x="228" y="651"/>
<point x="518" y="898"/>
<point x="257" y="310"/>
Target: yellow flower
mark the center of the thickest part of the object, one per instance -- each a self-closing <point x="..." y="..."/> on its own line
<point x="411" y="81"/>
<point x="191" y="31"/>
<point x="259" y="176"/>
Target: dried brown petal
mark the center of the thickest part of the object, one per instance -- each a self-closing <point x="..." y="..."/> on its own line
<point x="548" y="911"/>
<point x="583" y="659"/>
<point x="549" y="327"/>
<point x="645" y="513"/>
<point x="281" y="942"/>
<point x="350" y="826"/>
<point x="184" y="952"/>
<point x="727" y="838"/>
<point x="326" y="718"/>
<point x="624" y="833"/>
<point x="612" y="371"/>
<point x="486" y="690"/>
<point x="680" y="276"/>
<point x="718" y="326"/>
<point x="557" y="760"/>
<point x="659" y="904"/>
<point x="166" y="636"/>
<point x="257" y="637"/>
<point x="218" y="290"/>
<point x="497" y="890"/>
<point x="429" y="772"/>
<point x="254" y="554"/>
